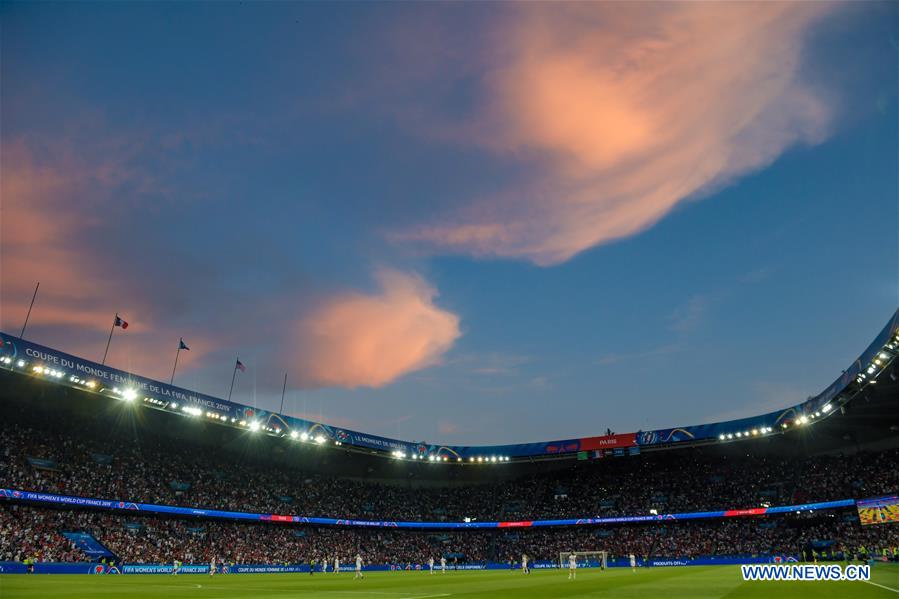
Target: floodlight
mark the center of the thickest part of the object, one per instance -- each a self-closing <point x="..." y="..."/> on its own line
<point x="129" y="394"/>
<point x="320" y="439"/>
<point x="254" y="425"/>
<point x="294" y="434"/>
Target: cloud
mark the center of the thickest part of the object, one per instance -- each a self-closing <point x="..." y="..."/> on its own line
<point x="623" y="111"/>
<point x="640" y="356"/>
<point x="48" y="217"/>
<point x="62" y="224"/>
<point x="358" y="339"/>
<point x="689" y="316"/>
<point x="56" y="217"/>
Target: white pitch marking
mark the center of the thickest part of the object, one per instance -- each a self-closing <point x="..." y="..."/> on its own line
<point x="883" y="586"/>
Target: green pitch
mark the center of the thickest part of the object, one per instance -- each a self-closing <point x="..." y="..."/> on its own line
<point x="619" y="583"/>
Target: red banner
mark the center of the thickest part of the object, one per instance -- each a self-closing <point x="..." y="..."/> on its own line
<point x="609" y="441"/>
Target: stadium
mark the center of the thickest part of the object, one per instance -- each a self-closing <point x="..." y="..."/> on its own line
<point x="426" y="300"/>
<point x="106" y="472"/>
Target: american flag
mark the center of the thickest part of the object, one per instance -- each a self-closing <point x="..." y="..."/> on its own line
<point x="239" y="366"/>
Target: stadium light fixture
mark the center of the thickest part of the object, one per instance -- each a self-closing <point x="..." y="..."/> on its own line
<point x="730" y="436"/>
<point x="20" y="363"/>
<point x="827" y="408"/>
<point x="129" y="394"/>
<point x="294" y="435"/>
<point x="254" y="425"/>
<point x="721" y="437"/>
<point x="304" y="436"/>
<point x="320" y="439"/>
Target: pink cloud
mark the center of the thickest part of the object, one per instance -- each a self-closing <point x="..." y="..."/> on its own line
<point x="624" y="111"/>
<point x="356" y="339"/>
<point x="53" y="208"/>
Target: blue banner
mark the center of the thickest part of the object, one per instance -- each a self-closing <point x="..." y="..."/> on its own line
<point x="94" y="568"/>
<point x="113" y="504"/>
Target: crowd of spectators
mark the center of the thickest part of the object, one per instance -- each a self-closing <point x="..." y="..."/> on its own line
<point x="86" y="458"/>
<point x="154" y="470"/>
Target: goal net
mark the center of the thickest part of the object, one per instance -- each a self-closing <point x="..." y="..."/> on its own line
<point x="585" y="559"/>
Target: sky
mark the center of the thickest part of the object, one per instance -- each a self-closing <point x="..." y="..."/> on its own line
<point x="457" y="222"/>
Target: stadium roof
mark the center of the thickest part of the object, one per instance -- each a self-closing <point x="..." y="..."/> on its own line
<point x="873" y="366"/>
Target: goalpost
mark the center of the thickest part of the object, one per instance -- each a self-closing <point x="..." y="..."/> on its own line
<point x="585" y="559"/>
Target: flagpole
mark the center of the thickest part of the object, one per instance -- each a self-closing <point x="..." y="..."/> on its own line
<point x="108" y="341"/>
<point x="27" y="316"/>
<point x="283" y="389"/>
<point x="233" y="376"/>
<point x="172" y="380"/>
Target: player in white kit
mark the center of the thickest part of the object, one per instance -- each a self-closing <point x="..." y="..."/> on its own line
<point x="442" y="565"/>
<point x="524" y="564"/>
<point x="212" y="567"/>
<point x="336" y="565"/>
<point x="572" y="566"/>
<point x="633" y="562"/>
<point x="431" y="564"/>
<point x="358" y="567"/>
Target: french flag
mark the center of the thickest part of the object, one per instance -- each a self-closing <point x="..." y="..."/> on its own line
<point x="120" y="322"/>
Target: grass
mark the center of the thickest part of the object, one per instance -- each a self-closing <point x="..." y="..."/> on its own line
<point x="692" y="582"/>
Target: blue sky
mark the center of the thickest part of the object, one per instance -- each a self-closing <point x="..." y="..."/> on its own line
<point x="455" y="222"/>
